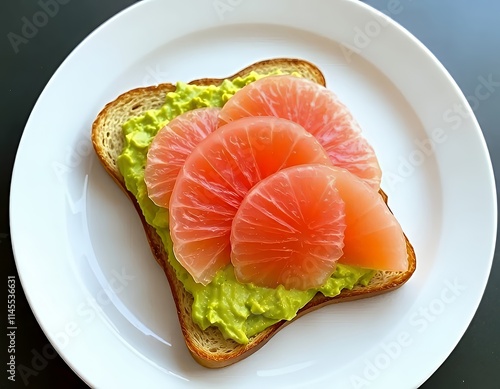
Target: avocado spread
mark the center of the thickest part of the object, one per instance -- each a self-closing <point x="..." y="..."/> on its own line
<point x="238" y="310"/>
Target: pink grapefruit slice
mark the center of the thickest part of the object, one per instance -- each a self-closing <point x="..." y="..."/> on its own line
<point x="170" y="148"/>
<point x="373" y="238"/>
<point x="315" y="108"/>
<point x="289" y="229"/>
<point x="217" y="175"/>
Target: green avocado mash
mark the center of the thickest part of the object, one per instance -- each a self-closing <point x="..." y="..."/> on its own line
<point x="238" y="310"/>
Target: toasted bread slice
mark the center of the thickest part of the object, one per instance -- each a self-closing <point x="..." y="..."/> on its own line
<point x="209" y="347"/>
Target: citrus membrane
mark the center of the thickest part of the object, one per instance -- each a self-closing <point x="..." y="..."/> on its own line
<point x="289" y="229"/>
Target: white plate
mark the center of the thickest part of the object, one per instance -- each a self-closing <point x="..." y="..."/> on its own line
<point x="79" y="246"/>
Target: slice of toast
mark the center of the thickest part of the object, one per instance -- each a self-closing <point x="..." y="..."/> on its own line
<point x="209" y="347"/>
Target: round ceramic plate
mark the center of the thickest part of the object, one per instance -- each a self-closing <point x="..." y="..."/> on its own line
<point x="82" y="255"/>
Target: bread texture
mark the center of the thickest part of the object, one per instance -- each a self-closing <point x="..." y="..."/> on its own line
<point x="208" y="347"/>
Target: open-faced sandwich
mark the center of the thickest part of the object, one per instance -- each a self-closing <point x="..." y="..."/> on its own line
<point x="260" y="199"/>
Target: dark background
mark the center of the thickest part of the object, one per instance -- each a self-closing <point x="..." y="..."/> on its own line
<point x="463" y="34"/>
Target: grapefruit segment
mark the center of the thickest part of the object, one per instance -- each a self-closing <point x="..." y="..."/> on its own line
<point x="217" y="175"/>
<point x="315" y="108"/>
<point x="170" y="148"/>
<point x="289" y="229"/>
<point x="373" y="237"/>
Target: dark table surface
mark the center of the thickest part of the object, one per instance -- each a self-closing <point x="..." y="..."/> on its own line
<point x="463" y="34"/>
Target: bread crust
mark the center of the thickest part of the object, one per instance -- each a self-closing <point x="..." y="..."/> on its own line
<point x="208" y="347"/>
